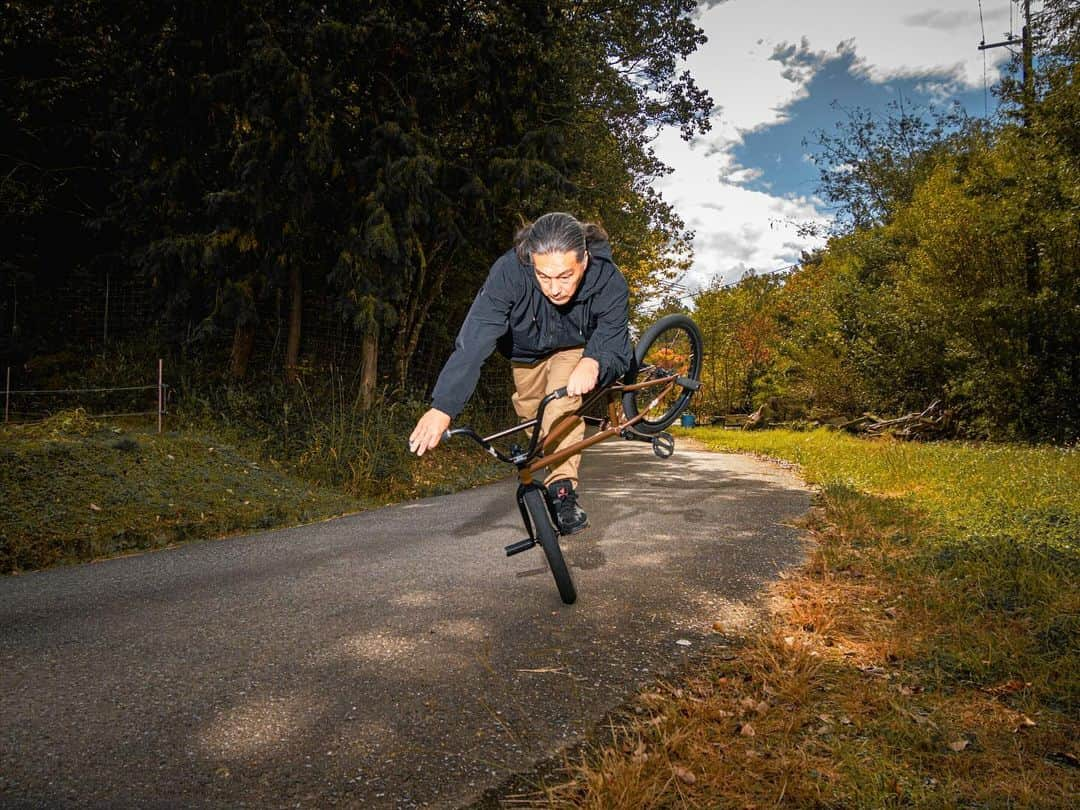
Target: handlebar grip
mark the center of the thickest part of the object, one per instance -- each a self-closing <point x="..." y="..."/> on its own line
<point x="559" y="392"/>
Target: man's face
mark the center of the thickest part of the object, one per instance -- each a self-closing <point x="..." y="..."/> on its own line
<point x="559" y="274"/>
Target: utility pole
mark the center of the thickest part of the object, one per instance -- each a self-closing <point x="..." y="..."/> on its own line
<point x="1024" y="41"/>
<point x="1029" y="73"/>
<point x="1027" y="98"/>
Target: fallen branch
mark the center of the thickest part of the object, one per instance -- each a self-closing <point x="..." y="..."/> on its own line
<point x="932" y="421"/>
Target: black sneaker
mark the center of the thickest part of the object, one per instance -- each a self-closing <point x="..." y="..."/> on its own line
<point x="572" y="518"/>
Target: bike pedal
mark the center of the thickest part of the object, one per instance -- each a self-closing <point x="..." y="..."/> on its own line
<point x="663" y="444"/>
<point x="520" y="546"/>
<point x="632" y="435"/>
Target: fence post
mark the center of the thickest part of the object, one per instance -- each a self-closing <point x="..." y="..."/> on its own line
<point x="160" y="394"/>
<point x="105" y="329"/>
<point x="7" y="394"/>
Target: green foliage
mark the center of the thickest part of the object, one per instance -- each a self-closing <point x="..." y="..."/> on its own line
<point x="354" y="447"/>
<point x="871" y="165"/>
<point x="323" y="431"/>
<point x="739" y="328"/>
<point x="968" y="294"/>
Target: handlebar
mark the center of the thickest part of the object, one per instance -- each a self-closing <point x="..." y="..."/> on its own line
<point x="521" y="458"/>
<point x="480" y="440"/>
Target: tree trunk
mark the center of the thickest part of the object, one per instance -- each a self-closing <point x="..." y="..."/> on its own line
<point x="406" y="339"/>
<point x="369" y="360"/>
<point x="242" y="347"/>
<point x="426" y="287"/>
<point x="296" y="309"/>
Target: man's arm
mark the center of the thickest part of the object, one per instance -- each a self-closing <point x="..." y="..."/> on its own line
<point x="487" y="321"/>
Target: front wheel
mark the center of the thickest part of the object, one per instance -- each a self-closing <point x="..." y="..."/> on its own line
<point x="671" y="346"/>
<point x="548" y="538"/>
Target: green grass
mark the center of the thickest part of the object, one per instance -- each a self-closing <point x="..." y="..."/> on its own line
<point x="976" y="491"/>
<point x="77" y="490"/>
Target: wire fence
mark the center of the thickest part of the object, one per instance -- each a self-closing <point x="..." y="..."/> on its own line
<point x="92" y="309"/>
<point x="38" y="404"/>
<point x="96" y="314"/>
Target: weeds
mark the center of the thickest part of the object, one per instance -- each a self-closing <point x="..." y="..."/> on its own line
<point x="77" y="489"/>
<point x="324" y="430"/>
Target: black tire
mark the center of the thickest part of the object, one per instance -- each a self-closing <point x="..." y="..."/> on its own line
<point x="548" y="538"/>
<point x="678" y="340"/>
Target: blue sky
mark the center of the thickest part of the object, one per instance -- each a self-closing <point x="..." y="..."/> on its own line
<point x="776" y="70"/>
<point x="779" y="151"/>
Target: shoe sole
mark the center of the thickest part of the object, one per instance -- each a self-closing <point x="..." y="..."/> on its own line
<point x="578" y="530"/>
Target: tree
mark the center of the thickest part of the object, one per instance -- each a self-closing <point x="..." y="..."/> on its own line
<point x="54" y="104"/>
<point x="740" y="332"/>
<point x="870" y="165"/>
<point x="367" y="158"/>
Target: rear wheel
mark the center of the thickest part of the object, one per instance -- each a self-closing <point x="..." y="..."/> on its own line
<point x="548" y="538"/>
<point x="672" y="345"/>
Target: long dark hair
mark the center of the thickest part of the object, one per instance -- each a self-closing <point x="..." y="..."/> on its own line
<point x="556" y="232"/>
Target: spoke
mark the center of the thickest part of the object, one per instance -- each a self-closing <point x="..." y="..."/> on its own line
<point x="671" y="354"/>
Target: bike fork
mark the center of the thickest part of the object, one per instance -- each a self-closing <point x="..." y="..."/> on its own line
<point x="530" y="541"/>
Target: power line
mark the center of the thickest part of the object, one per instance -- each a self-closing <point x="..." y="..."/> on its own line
<point x="693" y="296"/>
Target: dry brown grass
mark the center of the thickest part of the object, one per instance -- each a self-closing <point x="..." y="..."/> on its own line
<point x="836" y="702"/>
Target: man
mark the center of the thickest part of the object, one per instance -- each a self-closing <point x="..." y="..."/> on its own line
<point x="556" y="305"/>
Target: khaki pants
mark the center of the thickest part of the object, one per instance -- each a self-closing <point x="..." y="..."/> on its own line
<point x="533" y="382"/>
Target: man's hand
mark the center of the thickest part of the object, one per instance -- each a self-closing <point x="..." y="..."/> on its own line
<point x="583" y="378"/>
<point x="428" y="431"/>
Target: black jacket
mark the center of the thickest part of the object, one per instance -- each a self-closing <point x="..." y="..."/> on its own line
<point x="511" y="313"/>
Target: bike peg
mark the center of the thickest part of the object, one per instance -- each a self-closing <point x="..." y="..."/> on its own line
<point x="663" y="444"/>
<point x="519" y="546"/>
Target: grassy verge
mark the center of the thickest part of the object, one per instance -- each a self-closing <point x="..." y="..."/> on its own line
<point x="76" y="489"/>
<point x="929" y="655"/>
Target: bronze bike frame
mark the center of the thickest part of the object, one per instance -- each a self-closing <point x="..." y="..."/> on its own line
<point x="534" y="458"/>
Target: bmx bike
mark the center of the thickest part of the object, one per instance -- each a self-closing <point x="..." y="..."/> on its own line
<point x="657" y="388"/>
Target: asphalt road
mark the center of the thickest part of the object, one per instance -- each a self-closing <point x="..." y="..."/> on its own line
<point x="394" y="658"/>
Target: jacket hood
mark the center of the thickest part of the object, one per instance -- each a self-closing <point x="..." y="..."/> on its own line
<point x="600" y="267"/>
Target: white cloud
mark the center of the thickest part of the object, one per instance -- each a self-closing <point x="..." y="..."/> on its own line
<point x="738" y="229"/>
<point x="956" y="19"/>
<point x="895" y="39"/>
<point x="760" y="57"/>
